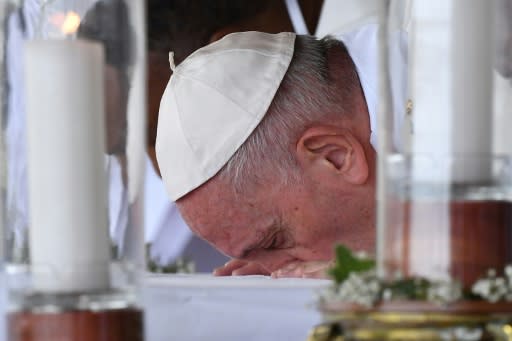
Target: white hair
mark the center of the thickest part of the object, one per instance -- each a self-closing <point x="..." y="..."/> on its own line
<point x="310" y="92"/>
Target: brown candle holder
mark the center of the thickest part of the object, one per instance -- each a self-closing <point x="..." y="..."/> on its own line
<point x="100" y="316"/>
<point x="458" y="239"/>
<point x="107" y="325"/>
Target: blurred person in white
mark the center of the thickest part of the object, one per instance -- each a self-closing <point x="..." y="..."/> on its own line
<point x="18" y="27"/>
<point x="97" y="24"/>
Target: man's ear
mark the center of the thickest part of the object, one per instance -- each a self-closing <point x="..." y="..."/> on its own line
<point x="332" y="154"/>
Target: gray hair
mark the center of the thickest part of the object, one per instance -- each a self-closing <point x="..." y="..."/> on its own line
<point x="319" y="86"/>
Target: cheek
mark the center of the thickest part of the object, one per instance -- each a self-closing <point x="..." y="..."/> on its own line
<point x="305" y="218"/>
<point x="313" y="241"/>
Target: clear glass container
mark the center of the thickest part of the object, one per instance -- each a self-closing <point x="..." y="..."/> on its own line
<point x="445" y="168"/>
<point x="72" y="118"/>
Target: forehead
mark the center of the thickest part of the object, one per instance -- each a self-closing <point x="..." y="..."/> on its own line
<point x="227" y="220"/>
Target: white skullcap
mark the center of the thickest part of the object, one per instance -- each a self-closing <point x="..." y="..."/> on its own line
<point x="213" y="102"/>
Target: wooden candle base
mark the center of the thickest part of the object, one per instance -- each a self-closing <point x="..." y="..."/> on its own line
<point x="107" y="325"/>
<point x="459" y="239"/>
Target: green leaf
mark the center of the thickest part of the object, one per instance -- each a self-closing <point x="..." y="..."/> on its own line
<point x="347" y="263"/>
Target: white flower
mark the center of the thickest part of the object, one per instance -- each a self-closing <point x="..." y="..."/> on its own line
<point x="492" y="289"/>
<point x="362" y="288"/>
<point x="444" y="292"/>
<point x="468" y="334"/>
<point x="362" y="255"/>
<point x="482" y="287"/>
<point x="387" y="294"/>
<point x="446" y="334"/>
<point x="508" y="272"/>
<point x="461" y="334"/>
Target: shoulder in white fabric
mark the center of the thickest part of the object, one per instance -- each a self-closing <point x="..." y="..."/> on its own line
<point x="362" y="45"/>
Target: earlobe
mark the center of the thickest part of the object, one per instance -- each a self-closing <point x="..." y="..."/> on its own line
<point x="333" y="153"/>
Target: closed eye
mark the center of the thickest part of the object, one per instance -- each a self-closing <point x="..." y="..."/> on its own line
<point x="278" y="241"/>
<point x="273" y="243"/>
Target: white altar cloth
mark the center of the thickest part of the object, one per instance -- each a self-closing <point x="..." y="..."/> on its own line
<point x="203" y="307"/>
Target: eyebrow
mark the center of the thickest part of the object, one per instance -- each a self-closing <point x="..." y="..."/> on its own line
<point x="251" y="247"/>
<point x="269" y="233"/>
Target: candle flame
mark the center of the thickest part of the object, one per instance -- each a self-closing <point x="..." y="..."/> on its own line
<point x="68" y="23"/>
<point x="71" y="23"/>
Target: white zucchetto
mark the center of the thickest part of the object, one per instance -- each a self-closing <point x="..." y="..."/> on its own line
<point x="214" y="100"/>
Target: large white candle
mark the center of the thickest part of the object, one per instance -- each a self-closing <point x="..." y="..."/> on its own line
<point x="3" y="186"/>
<point x="472" y="86"/>
<point x="429" y="84"/>
<point x="69" y="243"/>
<point x="451" y="86"/>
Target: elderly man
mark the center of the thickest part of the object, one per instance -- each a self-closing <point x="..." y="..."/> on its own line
<point x="183" y="26"/>
<point x="264" y="142"/>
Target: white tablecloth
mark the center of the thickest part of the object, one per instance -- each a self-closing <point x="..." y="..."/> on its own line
<point x="203" y="307"/>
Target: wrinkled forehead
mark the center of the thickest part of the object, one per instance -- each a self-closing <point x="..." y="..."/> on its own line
<point x="217" y="214"/>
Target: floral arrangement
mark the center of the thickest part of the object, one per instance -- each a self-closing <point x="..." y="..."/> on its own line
<point x="356" y="281"/>
<point x="495" y="288"/>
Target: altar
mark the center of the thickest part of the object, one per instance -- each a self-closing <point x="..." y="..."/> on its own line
<point x="203" y="307"/>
